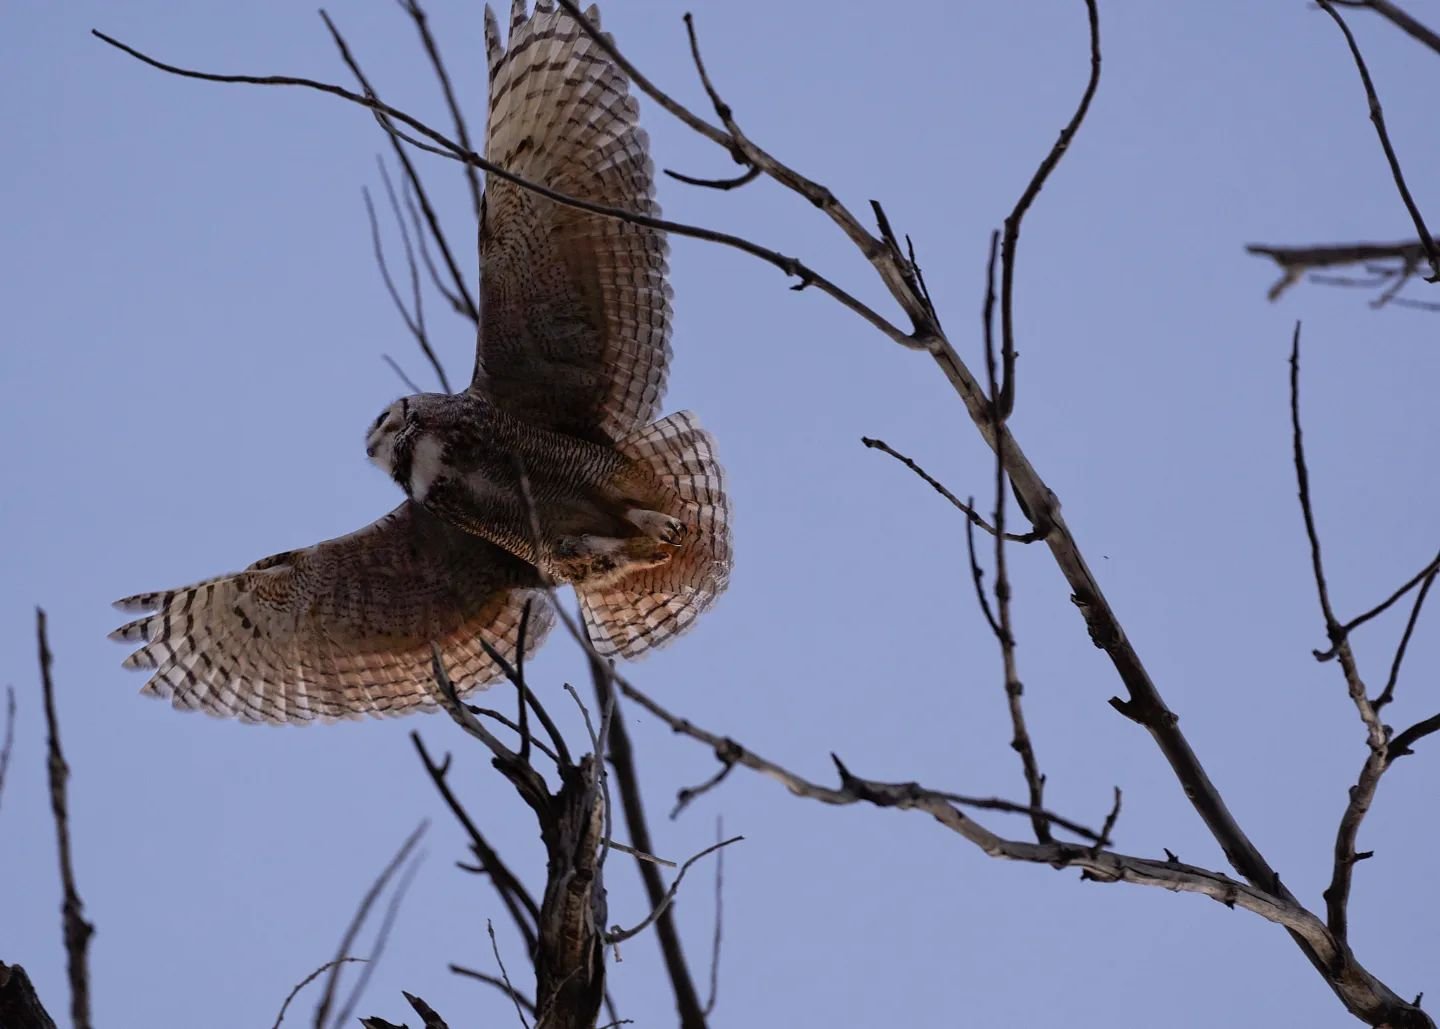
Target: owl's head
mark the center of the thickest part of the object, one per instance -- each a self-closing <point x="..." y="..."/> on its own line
<point x="385" y="435"/>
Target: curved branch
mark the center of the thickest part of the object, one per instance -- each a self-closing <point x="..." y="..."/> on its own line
<point x="1377" y="116"/>
<point x="791" y="266"/>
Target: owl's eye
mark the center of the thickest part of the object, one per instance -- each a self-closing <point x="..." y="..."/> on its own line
<point x="379" y="420"/>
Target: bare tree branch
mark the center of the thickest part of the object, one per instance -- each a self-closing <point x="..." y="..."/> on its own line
<point x="735" y="182"/>
<point x="362" y="911"/>
<point x="467" y="305"/>
<point x="8" y="746"/>
<point x="1377" y="116"/>
<point x="1388" y="693"/>
<point x="505" y="976"/>
<point x="1403" y="741"/>
<point x="619" y="935"/>
<point x="1361" y="993"/>
<point x="1399" y="18"/>
<point x="392" y="911"/>
<point x="414" y="322"/>
<point x="717" y="938"/>
<point x="1006" y="399"/>
<point x="1424" y="575"/>
<point x="400" y="373"/>
<point x="806" y="275"/>
<point x="1296" y="261"/>
<point x="621" y="754"/>
<point x="964" y="508"/>
<point x="523" y="909"/>
<point x="569" y="953"/>
<point x="77" y="931"/>
<point x="457" y="117"/>
<point x="1337" y="894"/>
<point x="1004" y="630"/>
<point x="306" y="982"/>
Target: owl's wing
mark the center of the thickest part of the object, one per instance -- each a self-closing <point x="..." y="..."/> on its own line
<point x="575" y="309"/>
<point x="342" y="628"/>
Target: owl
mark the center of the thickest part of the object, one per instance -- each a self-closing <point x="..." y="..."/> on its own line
<point x="548" y="469"/>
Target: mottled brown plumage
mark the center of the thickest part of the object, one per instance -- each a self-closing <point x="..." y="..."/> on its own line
<point x="546" y="469"/>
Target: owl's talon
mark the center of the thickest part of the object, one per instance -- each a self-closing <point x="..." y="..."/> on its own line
<point x="658" y="526"/>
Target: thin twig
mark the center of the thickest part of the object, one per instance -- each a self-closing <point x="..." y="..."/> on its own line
<point x="516" y="675"/>
<point x="1404" y="274"/>
<point x="1006" y="399"/>
<point x="505" y="976"/>
<point x="1424" y="575"/>
<point x="1418" y="305"/>
<point x="432" y="220"/>
<point x="516" y="728"/>
<point x="1396" y="16"/>
<point x="1333" y="629"/>
<point x="306" y="982"/>
<point x="1109" y="826"/>
<point x="1337" y="894"/>
<point x="362" y="911"/>
<point x="718" y="936"/>
<point x="437" y="63"/>
<point x="523" y="909"/>
<point x="8" y="746"/>
<point x="1377" y="116"/>
<point x="458" y="304"/>
<point x="422" y="336"/>
<point x="77" y="931"/>
<point x="939" y="487"/>
<point x="639" y="855"/>
<point x="1401" y="745"/>
<point x="1004" y="631"/>
<point x="977" y="579"/>
<point x="599" y="669"/>
<point x="685" y="796"/>
<point x="522" y="691"/>
<point x="911" y="796"/>
<point x="619" y="935"/>
<point x="1388" y="693"/>
<point x="394" y="367"/>
<point x="392" y="911"/>
<point x="415" y="322"/>
<point x="734" y="182"/>
<point x="792" y="267"/>
<point x="621" y="754"/>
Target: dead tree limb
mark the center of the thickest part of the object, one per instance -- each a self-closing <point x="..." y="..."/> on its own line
<point x="622" y="761"/>
<point x="77" y="930"/>
<point x="1377" y="117"/>
<point x="1259" y="889"/>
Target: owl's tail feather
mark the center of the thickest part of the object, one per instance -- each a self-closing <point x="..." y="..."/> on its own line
<point x="648" y="608"/>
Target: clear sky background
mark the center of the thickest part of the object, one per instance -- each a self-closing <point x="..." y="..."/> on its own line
<point x="192" y="330"/>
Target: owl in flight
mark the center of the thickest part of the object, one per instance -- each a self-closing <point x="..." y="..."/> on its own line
<point x="546" y="468"/>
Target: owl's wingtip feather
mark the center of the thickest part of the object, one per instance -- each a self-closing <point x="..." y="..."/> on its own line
<point x="137" y="602"/>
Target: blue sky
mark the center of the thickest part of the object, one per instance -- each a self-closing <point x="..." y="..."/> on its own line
<point x="193" y="327"/>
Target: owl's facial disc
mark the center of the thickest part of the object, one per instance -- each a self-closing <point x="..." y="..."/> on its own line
<point x="384" y="434"/>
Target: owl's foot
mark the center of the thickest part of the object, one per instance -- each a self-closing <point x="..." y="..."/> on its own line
<point x="658" y="526"/>
<point x="596" y="560"/>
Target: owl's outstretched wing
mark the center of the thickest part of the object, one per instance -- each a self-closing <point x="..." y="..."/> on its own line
<point x="340" y="629"/>
<point x="575" y="310"/>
